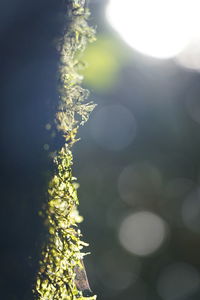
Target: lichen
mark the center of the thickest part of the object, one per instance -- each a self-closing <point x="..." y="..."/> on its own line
<point x="61" y="275"/>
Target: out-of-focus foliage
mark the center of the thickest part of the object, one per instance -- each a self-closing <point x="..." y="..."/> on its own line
<point x="61" y="275"/>
<point x="103" y="60"/>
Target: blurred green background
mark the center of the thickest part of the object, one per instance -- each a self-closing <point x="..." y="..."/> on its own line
<point x="138" y="160"/>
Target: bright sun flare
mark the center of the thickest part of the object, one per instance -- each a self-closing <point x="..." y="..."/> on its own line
<point x="159" y="28"/>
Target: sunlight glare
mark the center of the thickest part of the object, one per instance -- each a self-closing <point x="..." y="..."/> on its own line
<point x="158" y="28"/>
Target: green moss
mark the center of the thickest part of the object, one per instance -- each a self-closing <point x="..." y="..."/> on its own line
<point x="61" y="275"/>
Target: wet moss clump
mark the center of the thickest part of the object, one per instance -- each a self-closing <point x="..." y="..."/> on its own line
<point x="61" y="275"/>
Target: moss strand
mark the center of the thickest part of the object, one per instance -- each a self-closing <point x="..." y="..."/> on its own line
<point x="61" y="267"/>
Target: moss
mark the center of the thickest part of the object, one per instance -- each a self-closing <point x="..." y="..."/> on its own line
<point x="61" y="274"/>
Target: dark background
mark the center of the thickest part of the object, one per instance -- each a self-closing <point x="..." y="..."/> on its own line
<point x="165" y="101"/>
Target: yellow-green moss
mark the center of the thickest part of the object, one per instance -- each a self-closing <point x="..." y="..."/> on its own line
<point x="61" y="267"/>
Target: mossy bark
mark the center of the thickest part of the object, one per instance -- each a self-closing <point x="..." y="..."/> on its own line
<point x="61" y="275"/>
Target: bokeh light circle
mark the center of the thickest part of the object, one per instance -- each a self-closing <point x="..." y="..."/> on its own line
<point x="157" y="28"/>
<point x="113" y="127"/>
<point x="189" y="58"/>
<point x="142" y="233"/>
<point x="178" y="281"/>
